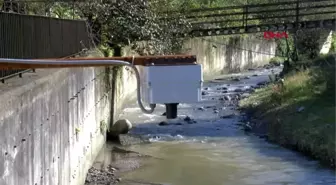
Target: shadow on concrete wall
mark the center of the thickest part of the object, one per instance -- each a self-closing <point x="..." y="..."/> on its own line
<point x="233" y="56"/>
<point x="249" y="59"/>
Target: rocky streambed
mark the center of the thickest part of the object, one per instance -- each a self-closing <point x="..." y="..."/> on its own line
<point x="211" y="142"/>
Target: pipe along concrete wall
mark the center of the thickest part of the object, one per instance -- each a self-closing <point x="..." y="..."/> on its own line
<point x="53" y="122"/>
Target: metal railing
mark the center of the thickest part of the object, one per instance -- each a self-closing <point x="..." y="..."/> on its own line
<point x="5" y="74"/>
<point x="297" y="13"/>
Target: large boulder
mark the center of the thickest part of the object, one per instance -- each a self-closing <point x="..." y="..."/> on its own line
<point x="122" y="126"/>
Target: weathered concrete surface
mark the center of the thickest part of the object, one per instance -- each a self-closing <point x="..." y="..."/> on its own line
<point x="51" y="125"/>
<point x="125" y="81"/>
<point x="226" y="54"/>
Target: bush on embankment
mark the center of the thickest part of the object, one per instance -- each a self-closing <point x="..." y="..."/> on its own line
<point x="276" y="61"/>
<point x="300" y="112"/>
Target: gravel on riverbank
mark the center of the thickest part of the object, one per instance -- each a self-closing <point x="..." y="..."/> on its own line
<point x="101" y="176"/>
<point x="123" y="160"/>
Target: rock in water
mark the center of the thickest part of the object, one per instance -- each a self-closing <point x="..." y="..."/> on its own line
<point x="163" y="123"/>
<point x="235" y="79"/>
<point x="238" y="90"/>
<point x="122" y="126"/>
<point x="201" y="108"/>
<point x="247" y="127"/>
<point x="187" y="118"/>
<point x="227" y="98"/>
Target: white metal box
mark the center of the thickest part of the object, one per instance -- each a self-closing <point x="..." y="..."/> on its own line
<point x="171" y="84"/>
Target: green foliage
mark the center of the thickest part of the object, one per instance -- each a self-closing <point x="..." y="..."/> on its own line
<point x="118" y="23"/>
<point x="276" y="60"/>
<point x="107" y="52"/>
<point x="308" y="43"/>
<point x="62" y="10"/>
<point x="123" y="22"/>
<point x="285" y="46"/>
<point x="333" y="43"/>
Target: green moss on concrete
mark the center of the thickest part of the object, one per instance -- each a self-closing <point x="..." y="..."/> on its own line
<point x="333" y="43"/>
<point x="301" y="113"/>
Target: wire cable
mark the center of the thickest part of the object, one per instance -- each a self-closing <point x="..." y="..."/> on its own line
<point x="87" y="62"/>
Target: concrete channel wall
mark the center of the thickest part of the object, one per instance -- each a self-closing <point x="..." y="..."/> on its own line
<point x="227" y="54"/>
<point x="53" y="122"/>
<point x="52" y="125"/>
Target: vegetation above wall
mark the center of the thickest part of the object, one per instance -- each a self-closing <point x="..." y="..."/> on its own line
<point x="117" y="23"/>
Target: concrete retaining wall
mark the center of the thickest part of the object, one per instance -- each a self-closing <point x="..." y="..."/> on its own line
<point x="125" y="80"/>
<point x="51" y="125"/>
<point x="226" y="54"/>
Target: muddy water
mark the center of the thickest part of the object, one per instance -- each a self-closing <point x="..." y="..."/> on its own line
<point x="214" y="150"/>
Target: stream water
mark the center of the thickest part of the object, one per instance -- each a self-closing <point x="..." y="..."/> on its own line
<point x="214" y="151"/>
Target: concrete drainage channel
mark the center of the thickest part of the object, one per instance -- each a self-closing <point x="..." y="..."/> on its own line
<point x="206" y="144"/>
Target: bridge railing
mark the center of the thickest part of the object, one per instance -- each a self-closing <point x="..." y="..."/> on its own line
<point x="257" y="14"/>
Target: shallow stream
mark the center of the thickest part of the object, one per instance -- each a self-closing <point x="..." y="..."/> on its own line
<point x="214" y="150"/>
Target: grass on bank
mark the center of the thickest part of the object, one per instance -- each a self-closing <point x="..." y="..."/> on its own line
<point x="301" y="112"/>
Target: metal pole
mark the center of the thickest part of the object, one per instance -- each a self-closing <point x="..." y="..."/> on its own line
<point x="171" y="110"/>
